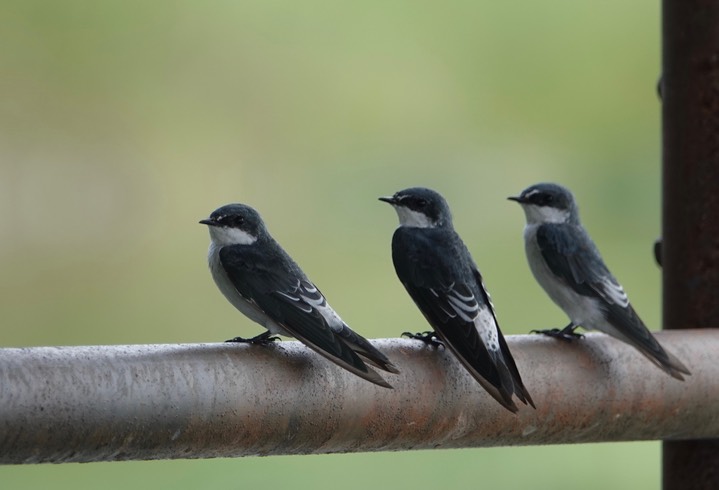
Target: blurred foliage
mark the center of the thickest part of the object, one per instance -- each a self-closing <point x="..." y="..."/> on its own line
<point x="125" y="122"/>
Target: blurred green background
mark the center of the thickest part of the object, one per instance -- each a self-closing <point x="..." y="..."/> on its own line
<point x="125" y="122"/>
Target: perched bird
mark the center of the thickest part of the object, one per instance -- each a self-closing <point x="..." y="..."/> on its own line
<point x="567" y="264"/>
<point x="258" y="277"/>
<point x="439" y="274"/>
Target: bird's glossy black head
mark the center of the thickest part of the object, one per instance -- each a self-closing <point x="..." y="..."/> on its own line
<point x="235" y="224"/>
<point x="547" y="203"/>
<point x="420" y="207"/>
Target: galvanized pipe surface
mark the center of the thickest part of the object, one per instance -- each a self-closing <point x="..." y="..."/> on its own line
<point x="690" y="126"/>
<point x="110" y="403"/>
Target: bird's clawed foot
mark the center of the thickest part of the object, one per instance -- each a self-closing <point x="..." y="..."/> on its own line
<point x="567" y="333"/>
<point x="428" y="337"/>
<point x="265" y="338"/>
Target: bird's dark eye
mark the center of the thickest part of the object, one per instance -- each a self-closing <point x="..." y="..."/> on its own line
<point x="421" y="202"/>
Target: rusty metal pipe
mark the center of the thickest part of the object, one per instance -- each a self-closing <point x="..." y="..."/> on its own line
<point x="690" y="216"/>
<point x="110" y="403"/>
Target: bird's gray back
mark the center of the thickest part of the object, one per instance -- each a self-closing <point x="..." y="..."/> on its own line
<point x="431" y="257"/>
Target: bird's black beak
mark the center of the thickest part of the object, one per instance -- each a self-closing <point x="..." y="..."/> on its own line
<point x="208" y="222"/>
<point x="516" y="199"/>
<point x="388" y="199"/>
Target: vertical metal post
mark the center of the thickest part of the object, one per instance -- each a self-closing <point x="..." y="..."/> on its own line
<point x="690" y="214"/>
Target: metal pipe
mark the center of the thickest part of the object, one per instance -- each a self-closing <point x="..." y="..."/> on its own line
<point x="110" y="403"/>
<point x="690" y="254"/>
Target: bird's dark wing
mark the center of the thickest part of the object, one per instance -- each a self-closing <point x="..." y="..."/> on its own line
<point x="632" y="330"/>
<point x="310" y="317"/>
<point x="572" y="256"/>
<point x="438" y="277"/>
<point x="514" y="379"/>
<point x="280" y="289"/>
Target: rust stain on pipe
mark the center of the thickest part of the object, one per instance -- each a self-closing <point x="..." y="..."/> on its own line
<point x="111" y="403"/>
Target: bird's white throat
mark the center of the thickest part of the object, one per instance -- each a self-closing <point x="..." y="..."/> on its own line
<point x="413" y="219"/>
<point x="223" y="236"/>
<point x="545" y="214"/>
